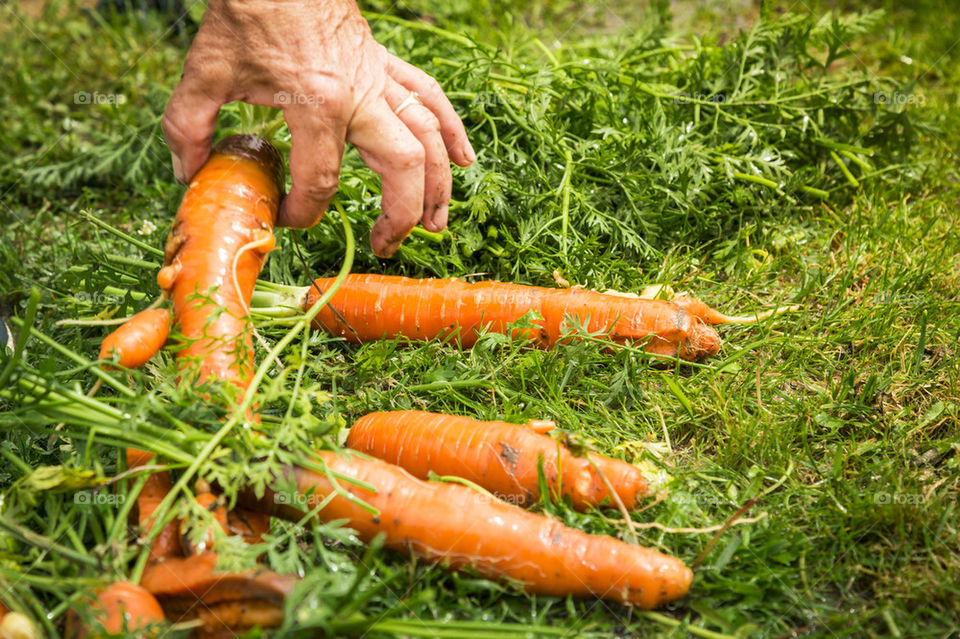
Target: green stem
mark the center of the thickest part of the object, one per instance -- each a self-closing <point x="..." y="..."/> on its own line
<point x="125" y="236"/>
<point x="131" y="261"/>
<point x="693" y="630"/>
<point x="756" y="179"/>
<point x="456" y="630"/>
<point x="843" y="169"/>
<point x="457" y="383"/>
<point x="40" y="541"/>
<point x="564" y="191"/>
<point x="437" y="31"/>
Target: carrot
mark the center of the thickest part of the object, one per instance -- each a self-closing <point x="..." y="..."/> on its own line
<point x="215" y="250"/>
<point x="167" y="543"/>
<point x="498" y="456"/>
<point x="370" y="307"/>
<point x="138" y="339"/>
<point x="462" y="527"/>
<point x="120" y="608"/>
<point x="225" y="603"/>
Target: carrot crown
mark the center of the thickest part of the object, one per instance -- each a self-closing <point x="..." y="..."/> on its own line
<point x="257" y="149"/>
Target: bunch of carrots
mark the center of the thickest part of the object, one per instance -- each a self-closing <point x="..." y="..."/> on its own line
<point x="215" y="251"/>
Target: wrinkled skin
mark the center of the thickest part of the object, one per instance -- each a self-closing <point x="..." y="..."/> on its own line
<point x="319" y="63"/>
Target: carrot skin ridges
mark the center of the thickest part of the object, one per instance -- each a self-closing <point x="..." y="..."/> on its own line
<point x="368" y="307"/>
<point x="138" y="339"/>
<point x="498" y="456"/>
<point x="214" y="253"/>
<point x="458" y="526"/>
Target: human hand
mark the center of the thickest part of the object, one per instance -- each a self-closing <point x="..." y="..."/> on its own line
<point x="318" y="61"/>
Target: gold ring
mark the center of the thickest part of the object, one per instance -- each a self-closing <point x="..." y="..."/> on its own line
<point x="413" y="98"/>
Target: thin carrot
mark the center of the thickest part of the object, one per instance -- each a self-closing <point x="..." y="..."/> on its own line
<point x="498" y="456"/>
<point x="461" y="527"/>
<point x="369" y="307"/>
<point x="138" y="339"/>
<point x="711" y="316"/>
<point x="167" y="543"/>
<point x="122" y="607"/>
<point x="215" y="250"/>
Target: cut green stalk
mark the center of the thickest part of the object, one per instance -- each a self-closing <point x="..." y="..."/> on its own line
<point x="843" y="169"/>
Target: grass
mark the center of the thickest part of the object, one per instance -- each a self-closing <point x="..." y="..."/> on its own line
<point x="604" y="152"/>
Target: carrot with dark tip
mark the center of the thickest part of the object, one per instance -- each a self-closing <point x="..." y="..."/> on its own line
<point x="167" y="542"/>
<point x="500" y="457"/>
<point x="461" y="527"/>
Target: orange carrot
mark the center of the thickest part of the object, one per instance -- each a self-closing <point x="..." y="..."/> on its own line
<point x="138" y="339"/>
<point x="461" y="527"/>
<point x="121" y="607"/>
<point x="167" y="543"/>
<point x="215" y="250"/>
<point x="497" y="456"/>
<point x="370" y="307"/>
<point x="226" y="603"/>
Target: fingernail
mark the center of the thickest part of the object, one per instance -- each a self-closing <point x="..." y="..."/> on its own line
<point x="177" y="168"/>
<point x="440" y="219"/>
<point x="391" y="249"/>
<point x="469" y="153"/>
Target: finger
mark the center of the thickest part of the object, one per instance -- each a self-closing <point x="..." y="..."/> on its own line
<point x="188" y="124"/>
<point x="451" y="127"/>
<point x="437" y="179"/>
<point x="389" y="148"/>
<point x="315" y="154"/>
